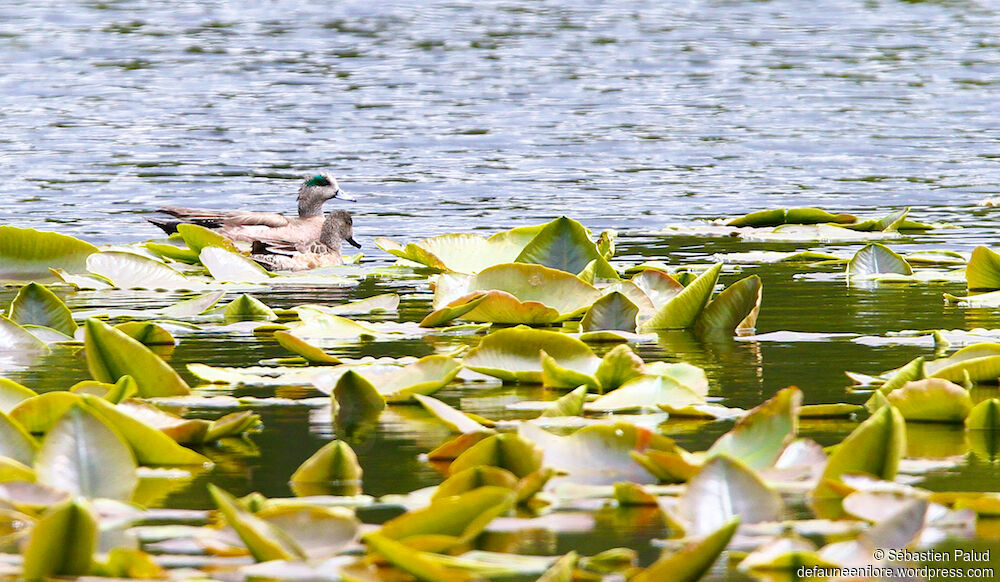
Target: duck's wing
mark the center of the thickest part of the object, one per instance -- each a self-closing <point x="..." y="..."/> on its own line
<point x="268" y="219"/>
<point x="214" y="218"/>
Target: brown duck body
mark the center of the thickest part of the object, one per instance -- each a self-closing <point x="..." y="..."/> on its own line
<point x="266" y="226"/>
<point x="321" y="251"/>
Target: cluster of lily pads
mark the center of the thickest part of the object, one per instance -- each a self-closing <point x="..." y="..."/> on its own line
<point x="84" y="469"/>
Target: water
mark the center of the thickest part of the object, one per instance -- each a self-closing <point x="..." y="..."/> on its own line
<point x="451" y="116"/>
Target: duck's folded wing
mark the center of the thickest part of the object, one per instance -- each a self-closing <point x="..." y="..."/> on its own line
<point x="196" y="214"/>
<point x="268" y="219"/>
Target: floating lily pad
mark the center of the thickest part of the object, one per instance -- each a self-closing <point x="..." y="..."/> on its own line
<point x="198" y="237"/>
<point x="724" y="489"/>
<point x="874" y="448"/>
<point x="231" y="267"/>
<point x="62" y="542"/>
<point x="691" y="562"/>
<point x="932" y="400"/>
<point x="513" y="354"/>
<point x="28" y="254"/>
<point x="564" y="244"/>
<point x="131" y="271"/>
<point x="334" y="463"/>
<point x="36" y="305"/>
<point x="876" y="259"/>
<point x="735" y="308"/>
<point x="613" y="311"/>
<point x="984" y="416"/>
<point x="759" y="437"/>
<point x="683" y="309"/>
<point x="264" y="541"/>
<point x="449" y="521"/>
<point x="780" y="216"/>
<point x="147" y="333"/>
<point x="111" y="354"/>
<point x="983" y="271"/>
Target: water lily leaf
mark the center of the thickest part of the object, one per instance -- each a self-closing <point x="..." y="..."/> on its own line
<point x="147" y="333"/>
<point x="194" y="306"/>
<point x="631" y="494"/>
<point x="598" y="454"/>
<point x="693" y="560"/>
<point x="683" y="310"/>
<point x="425" y="376"/>
<point x="455" y="420"/>
<point x="461" y="253"/>
<point x="980" y="362"/>
<point x="474" y="478"/>
<point x="150" y="446"/>
<point x="172" y="252"/>
<point x="198" y="238"/>
<point x="15" y="442"/>
<point x="12" y="471"/>
<point x="131" y="271"/>
<point x="759" y="437"/>
<point x="764" y="257"/>
<point x="529" y="284"/>
<point x="320" y="325"/>
<point x="668" y="466"/>
<point x="557" y="376"/>
<point x="569" y="404"/>
<point x="36" y="305"/>
<point x="14" y="338"/>
<point x="612" y="311"/>
<point x="230" y="267"/>
<point x="81" y="281"/>
<point x="779" y="216"/>
<point x="562" y="244"/>
<point x="305" y="349"/>
<point x="736" y="307"/>
<point x="179" y="429"/>
<point x="984" y="416"/>
<point x="459" y="307"/>
<point x="82" y="454"/>
<point x="875" y="259"/>
<point x="689" y="375"/>
<point x="12" y="393"/>
<point x="246" y="307"/>
<point x="914" y="370"/>
<point x="786" y="553"/>
<point x="657" y="286"/>
<point x="38" y="413"/>
<point x="932" y="400"/>
<point x="836" y="410"/>
<point x="357" y="399"/>
<point x="129" y="563"/>
<point x="27" y="254"/>
<point x="499" y="307"/>
<point x="62" y="542"/>
<point x="505" y="450"/>
<point x="874" y="448"/>
<point x="513" y="354"/>
<point x="111" y="354"/>
<point x="411" y="561"/>
<point x="335" y="462"/>
<point x="232" y="424"/>
<point x="449" y="521"/>
<point x="725" y="488"/>
<point x="646" y="392"/>
<point x="983" y="271"/>
<point x="264" y="541"/>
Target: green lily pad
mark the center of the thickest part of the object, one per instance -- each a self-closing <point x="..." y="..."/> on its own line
<point x="449" y="521"/>
<point x="357" y="399"/>
<point x="874" y="448"/>
<point x="15" y="442"/>
<point x="724" y="489"/>
<point x="983" y="271"/>
<point x="335" y="462"/>
<point x="612" y="311"/>
<point x="246" y="307"/>
<point x="455" y="420"/>
<point x="683" y="310"/>
<point x="932" y="400"/>
<point x="569" y="404"/>
<point x="618" y="366"/>
<point x="36" y="305"/>
<point x="27" y="254"/>
<point x="646" y="392"/>
<point x="980" y="362"/>
<point x="191" y="307"/>
<point x="14" y="338"/>
<point x="198" y="238"/>
<point x="876" y="259"/>
<point x="147" y="333"/>
<point x="693" y="561"/>
<point x="305" y="349"/>
<point x="513" y="354"/>
<point x="232" y="267"/>
<point x="780" y="216"/>
<point x="82" y="454"/>
<point x="914" y="370"/>
<point x="264" y="541"/>
<point x="38" y="413"/>
<point x="173" y="252"/>
<point x="984" y="416"/>
<point x="759" y="437"/>
<point x="131" y="271"/>
<point x="62" y="542"/>
<point x="12" y="393"/>
<point x="505" y="450"/>
<point x="111" y="354"/>
<point x="735" y="308"/>
<point x="474" y="478"/>
<point x="418" y="564"/>
<point x="564" y="244"/>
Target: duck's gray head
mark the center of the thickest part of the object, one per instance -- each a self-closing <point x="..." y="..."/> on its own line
<point x="317" y="190"/>
<point x="338" y="227"/>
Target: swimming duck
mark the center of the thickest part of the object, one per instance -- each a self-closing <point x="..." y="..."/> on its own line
<point x="277" y="255"/>
<point x="271" y="226"/>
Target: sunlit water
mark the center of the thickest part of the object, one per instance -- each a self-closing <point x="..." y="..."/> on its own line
<point x="449" y="116"/>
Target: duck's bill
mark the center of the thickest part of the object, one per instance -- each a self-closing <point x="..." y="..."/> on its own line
<point x="344" y="196"/>
<point x="354" y="243"/>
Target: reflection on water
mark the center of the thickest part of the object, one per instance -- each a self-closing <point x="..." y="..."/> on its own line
<point x="444" y="116"/>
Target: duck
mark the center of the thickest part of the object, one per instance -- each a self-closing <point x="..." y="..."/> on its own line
<point x="279" y="255"/>
<point x="265" y="226"/>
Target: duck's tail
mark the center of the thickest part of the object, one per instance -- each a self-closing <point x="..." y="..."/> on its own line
<point x="168" y="226"/>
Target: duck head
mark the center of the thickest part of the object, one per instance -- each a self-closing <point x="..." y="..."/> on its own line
<point x="317" y="190"/>
<point x="337" y="228"/>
